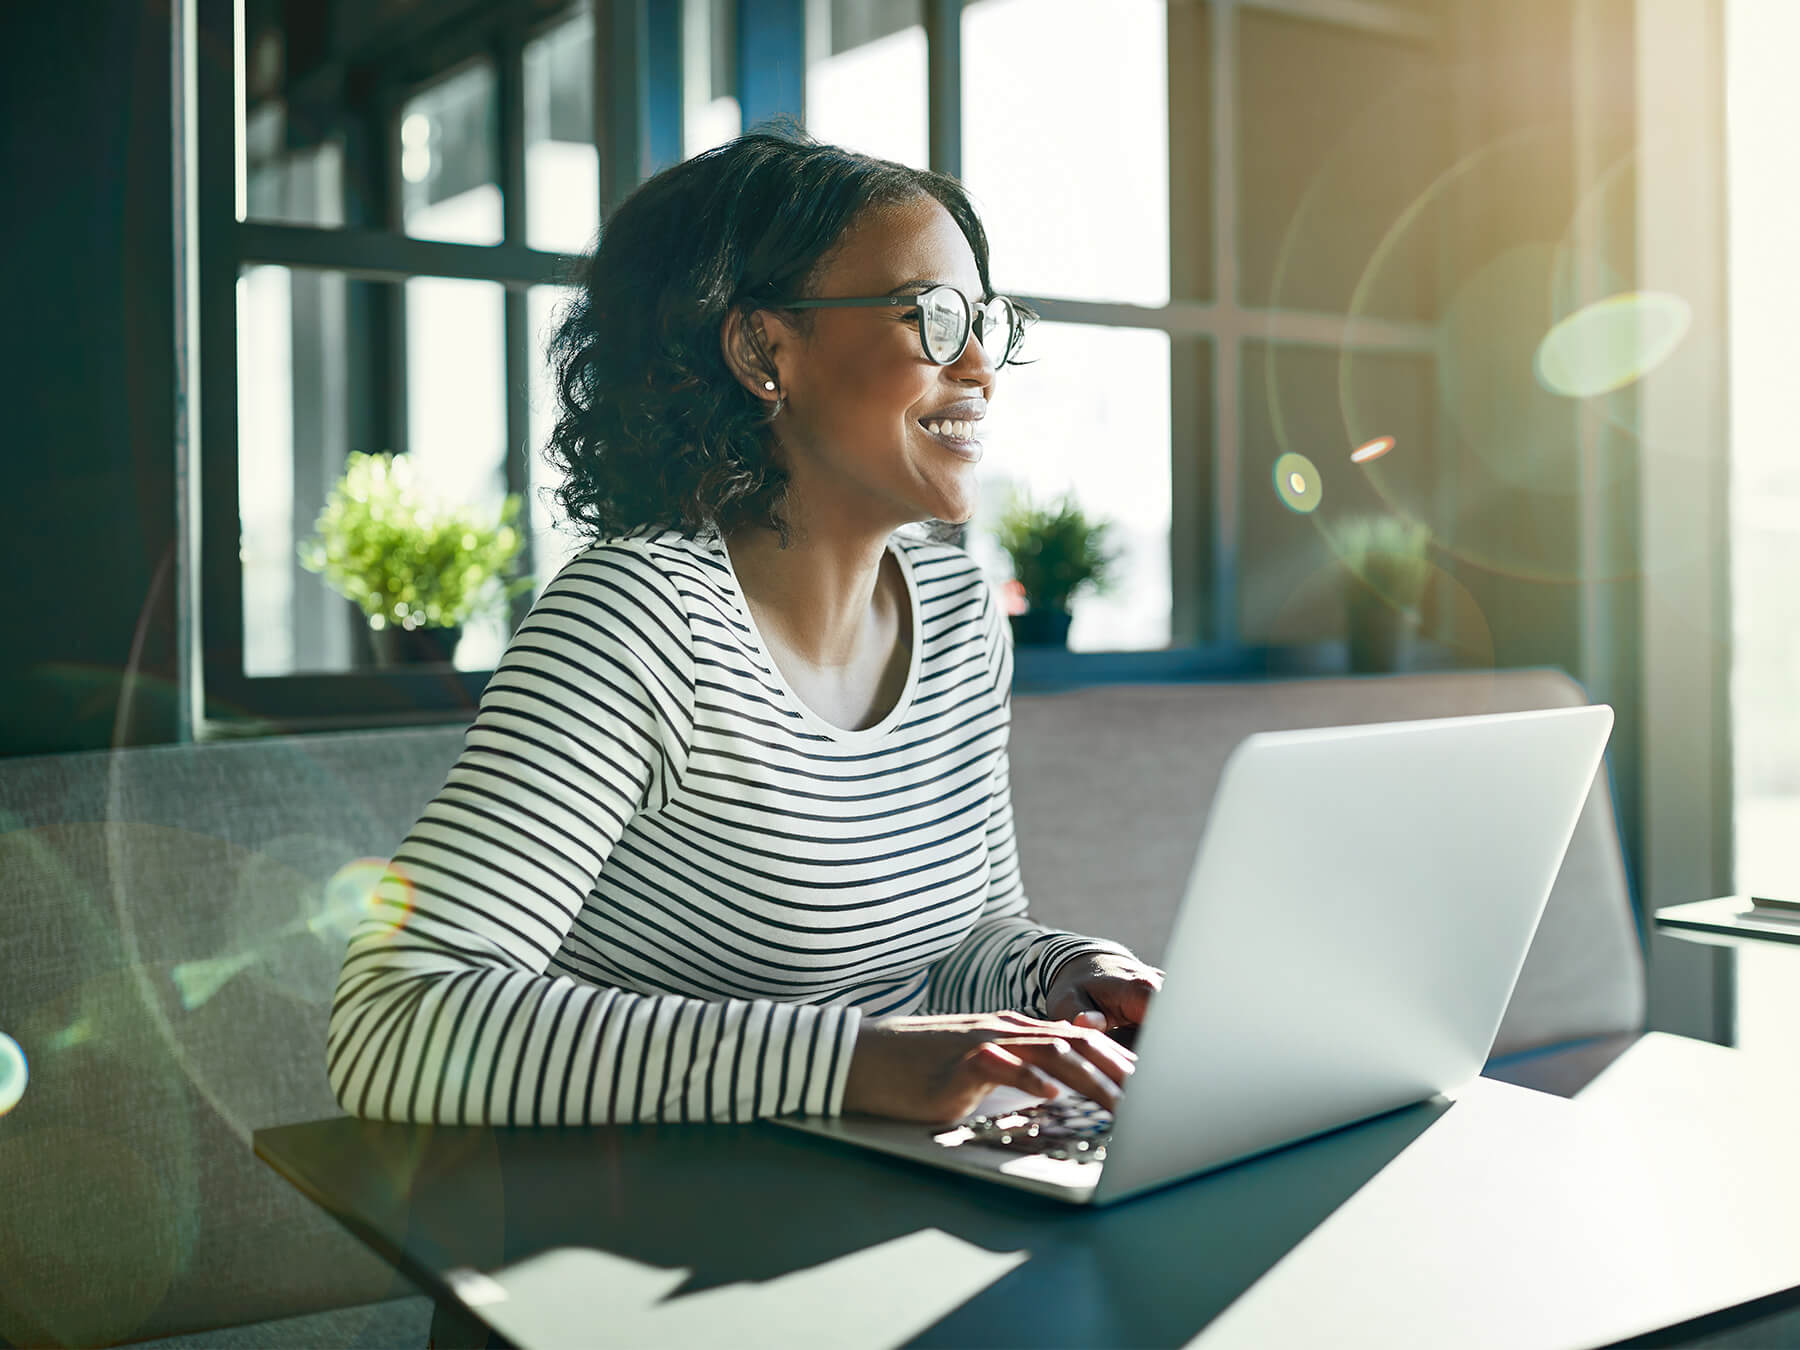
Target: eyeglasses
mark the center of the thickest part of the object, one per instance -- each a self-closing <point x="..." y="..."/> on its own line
<point x="946" y="318"/>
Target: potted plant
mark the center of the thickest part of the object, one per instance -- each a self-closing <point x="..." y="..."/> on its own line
<point x="418" y="570"/>
<point x="1055" y="550"/>
<point x="1387" y="566"/>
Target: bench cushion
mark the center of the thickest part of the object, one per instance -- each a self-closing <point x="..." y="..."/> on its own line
<point x="168" y="976"/>
<point x="1111" y="786"/>
<point x="398" y="1324"/>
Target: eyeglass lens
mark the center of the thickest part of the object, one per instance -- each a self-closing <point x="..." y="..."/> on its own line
<point x="946" y="322"/>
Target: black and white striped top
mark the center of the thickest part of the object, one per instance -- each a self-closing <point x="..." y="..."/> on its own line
<point x="656" y="885"/>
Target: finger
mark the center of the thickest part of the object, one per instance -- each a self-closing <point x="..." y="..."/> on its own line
<point x="1099" y="1056"/>
<point x="1065" y="1063"/>
<point x="1117" y="1061"/>
<point x="999" y="1066"/>
<point x="1092" y="1035"/>
<point x="1078" y="1028"/>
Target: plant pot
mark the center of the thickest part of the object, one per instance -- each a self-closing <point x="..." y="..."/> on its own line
<point x="1381" y="634"/>
<point x="414" y="646"/>
<point x="1041" y="628"/>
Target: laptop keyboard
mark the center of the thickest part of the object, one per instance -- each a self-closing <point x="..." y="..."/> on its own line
<point x="1067" y="1126"/>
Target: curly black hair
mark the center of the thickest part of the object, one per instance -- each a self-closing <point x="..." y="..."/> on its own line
<point x="653" y="431"/>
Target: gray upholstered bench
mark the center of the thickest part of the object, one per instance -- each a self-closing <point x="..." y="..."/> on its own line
<point x="170" y="949"/>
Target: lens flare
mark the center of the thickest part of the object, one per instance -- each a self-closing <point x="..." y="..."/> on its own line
<point x="1612" y="343"/>
<point x="13" y="1073"/>
<point x="198" y="981"/>
<point x="352" y="892"/>
<point x="1369" y="450"/>
<point x="364" y="886"/>
<point x="1297" y="483"/>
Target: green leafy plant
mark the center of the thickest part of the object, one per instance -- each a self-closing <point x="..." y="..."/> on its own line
<point x="1055" y="549"/>
<point x="1389" y="555"/>
<point x="407" y="560"/>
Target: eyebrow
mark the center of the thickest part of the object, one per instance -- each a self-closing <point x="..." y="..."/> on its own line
<point x="925" y="283"/>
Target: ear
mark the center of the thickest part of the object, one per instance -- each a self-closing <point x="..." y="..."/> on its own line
<point x="753" y="343"/>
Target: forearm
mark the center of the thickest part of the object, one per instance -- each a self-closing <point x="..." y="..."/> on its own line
<point x="423" y="1038"/>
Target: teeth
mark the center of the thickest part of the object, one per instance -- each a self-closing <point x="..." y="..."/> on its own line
<point x="960" y="431"/>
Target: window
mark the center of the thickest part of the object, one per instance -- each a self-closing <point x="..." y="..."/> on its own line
<point x="562" y="168"/>
<point x="408" y="192"/>
<point x="865" y="77"/>
<point x="1764" y="209"/>
<point x="711" y="114"/>
<point x="449" y="167"/>
<point x="1090" y="417"/>
<point x="1023" y="137"/>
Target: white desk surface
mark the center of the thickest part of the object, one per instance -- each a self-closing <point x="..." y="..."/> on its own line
<point x="1556" y="1223"/>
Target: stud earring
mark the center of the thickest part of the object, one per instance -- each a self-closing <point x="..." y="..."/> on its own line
<point x="768" y="384"/>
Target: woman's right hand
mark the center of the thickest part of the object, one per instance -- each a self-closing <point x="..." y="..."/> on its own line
<point x="936" y="1069"/>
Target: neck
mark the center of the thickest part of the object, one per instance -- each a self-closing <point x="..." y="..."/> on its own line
<point x="821" y="598"/>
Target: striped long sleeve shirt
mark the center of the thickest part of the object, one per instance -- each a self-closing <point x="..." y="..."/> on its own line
<point x="656" y="885"/>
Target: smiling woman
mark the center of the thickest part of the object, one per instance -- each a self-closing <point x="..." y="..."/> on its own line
<point x="732" y="834"/>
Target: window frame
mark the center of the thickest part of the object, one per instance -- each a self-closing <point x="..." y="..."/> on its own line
<point x="638" y="128"/>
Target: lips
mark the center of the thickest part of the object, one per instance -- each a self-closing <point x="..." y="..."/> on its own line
<point x="968" y="449"/>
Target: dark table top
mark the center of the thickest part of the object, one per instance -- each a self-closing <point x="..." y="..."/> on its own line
<point x="1506" y="1217"/>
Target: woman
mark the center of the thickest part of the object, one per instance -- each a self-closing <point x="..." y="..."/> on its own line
<point x="731" y="834"/>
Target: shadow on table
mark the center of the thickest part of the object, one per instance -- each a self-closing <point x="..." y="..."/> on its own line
<point x="737" y="1203"/>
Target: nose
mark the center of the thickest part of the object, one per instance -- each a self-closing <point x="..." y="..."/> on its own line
<point x="974" y="366"/>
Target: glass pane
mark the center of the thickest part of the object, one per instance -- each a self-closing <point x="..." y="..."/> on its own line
<point x="562" y="169"/>
<point x="449" y="160"/>
<point x="1339" y="192"/>
<point x="292" y="368"/>
<point x="710" y="113"/>
<point x="1762" y="106"/>
<point x="305" y="402"/>
<point x="865" y="77"/>
<point x="552" y="544"/>
<point x="456" y="412"/>
<point x="1046" y="90"/>
<point x="1090" y="416"/>
<point x="303" y="186"/>
<point x="1305" y="412"/>
<point x="266" y="468"/>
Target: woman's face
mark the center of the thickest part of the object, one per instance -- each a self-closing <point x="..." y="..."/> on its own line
<point x="860" y="387"/>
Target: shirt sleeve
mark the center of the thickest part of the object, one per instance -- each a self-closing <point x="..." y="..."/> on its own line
<point x="445" y="1009"/>
<point x="1006" y="961"/>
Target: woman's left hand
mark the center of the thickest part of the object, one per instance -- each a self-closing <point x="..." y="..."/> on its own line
<point x="1116" y="988"/>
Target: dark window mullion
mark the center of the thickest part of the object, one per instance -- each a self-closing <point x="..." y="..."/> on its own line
<point x="221" y="580"/>
<point x="510" y="69"/>
<point x="385" y="118"/>
<point x="943" y="85"/>
<point x="372" y="310"/>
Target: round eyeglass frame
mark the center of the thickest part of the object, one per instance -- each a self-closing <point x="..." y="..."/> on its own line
<point x="1015" y="321"/>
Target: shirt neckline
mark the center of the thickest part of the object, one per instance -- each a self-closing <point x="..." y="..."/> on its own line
<point x="902" y="705"/>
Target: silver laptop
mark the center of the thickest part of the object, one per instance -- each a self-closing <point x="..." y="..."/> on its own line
<point x="1357" y="915"/>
